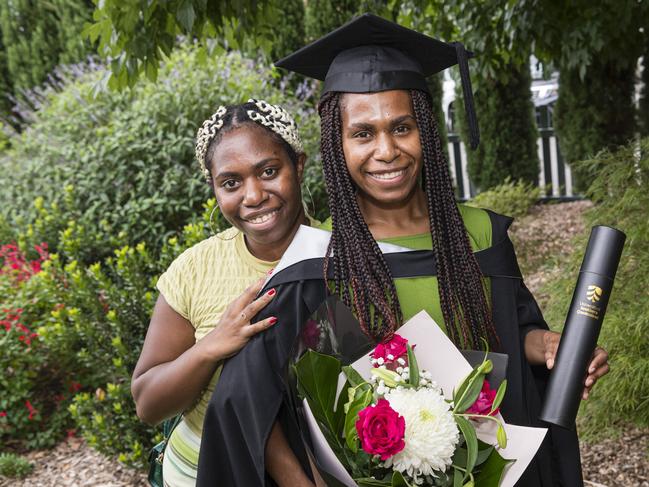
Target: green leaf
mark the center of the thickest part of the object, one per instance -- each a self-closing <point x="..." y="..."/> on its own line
<point x="413" y="368"/>
<point x="484" y="450"/>
<point x="317" y="380"/>
<point x="501" y="436"/>
<point x="370" y="482"/>
<point x="471" y="439"/>
<point x="186" y="15"/>
<point x="359" y="403"/>
<point x="339" y="415"/>
<point x="354" y="378"/>
<point x="391" y="378"/>
<point x="398" y="480"/>
<point x="470" y="390"/>
<point x="499" y="396"/>
<point x="458" y="477"/>
<point x="491" y="472"/>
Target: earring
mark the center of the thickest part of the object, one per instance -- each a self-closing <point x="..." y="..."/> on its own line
<point x="216" y="207"/>
<point x="306" y="208"/>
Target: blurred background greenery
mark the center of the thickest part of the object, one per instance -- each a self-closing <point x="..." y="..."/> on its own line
<point x="100" y="190"/>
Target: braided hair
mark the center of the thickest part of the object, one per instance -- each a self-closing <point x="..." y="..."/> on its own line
<point x="361" y="276"/>
<point x="273" y="118"/>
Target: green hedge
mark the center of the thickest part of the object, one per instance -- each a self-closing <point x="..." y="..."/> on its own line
<point x="594" y="112"/>
<point x="507" y="130"/>
<point x="620" y="191"/>
<point x="129" y="156"/>
<point x="110" y="184"/>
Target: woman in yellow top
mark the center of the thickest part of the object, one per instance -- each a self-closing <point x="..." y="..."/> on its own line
<point x="252" y="157"/>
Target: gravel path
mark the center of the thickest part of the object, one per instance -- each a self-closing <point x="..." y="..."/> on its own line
<point x="540" y="238"/>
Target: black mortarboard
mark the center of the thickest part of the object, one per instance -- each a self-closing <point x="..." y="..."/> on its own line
<point x="370" y="54"/>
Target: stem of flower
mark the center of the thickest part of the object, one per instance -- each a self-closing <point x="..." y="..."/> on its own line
<point x="483" y="416"/>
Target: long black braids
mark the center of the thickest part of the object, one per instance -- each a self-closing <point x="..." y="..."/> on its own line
<point x="361" y="275"/>
<point x="461" y="287"/>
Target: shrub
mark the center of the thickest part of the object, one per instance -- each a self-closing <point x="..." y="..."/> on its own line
<point x="507" y="130"/>
<point x="14" y="466"/>
<point x="31" y="406"/>
<point x="130" y="155"/>
<point x="620" y="191"/>
<point x="110" y="184"/>
<point x="509" y="198"/>
<point x="588" y="122"/>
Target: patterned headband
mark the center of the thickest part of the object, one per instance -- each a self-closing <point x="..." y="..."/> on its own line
<point x="271" y="116"/>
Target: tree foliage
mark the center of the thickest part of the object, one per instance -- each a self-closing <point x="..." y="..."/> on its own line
<point x="129" y="155"/>
<point x="37" y="36"/>
<point x="507" y="131"/>
<point x="290" y="33"/>
<point x="136" y="36"/>
<point x="596" y="112"/>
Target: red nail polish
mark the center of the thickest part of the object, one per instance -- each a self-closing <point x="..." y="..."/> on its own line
<point x="271" y="271"/>
<point x="272" y="320"/>
<point x="271" y="292"/>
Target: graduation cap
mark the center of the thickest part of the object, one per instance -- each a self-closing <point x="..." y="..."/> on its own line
<point x="371" y="54"/>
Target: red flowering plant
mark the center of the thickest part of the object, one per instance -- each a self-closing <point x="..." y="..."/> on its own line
<point x="21" y="361"/>
<point x="395" y="426"/>
<point x="15" y="264"/>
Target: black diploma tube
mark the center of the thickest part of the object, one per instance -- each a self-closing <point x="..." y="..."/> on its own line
<point x="582" y="327"/>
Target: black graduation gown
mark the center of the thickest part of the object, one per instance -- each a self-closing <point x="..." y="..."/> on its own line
<point x="251" y="393"/>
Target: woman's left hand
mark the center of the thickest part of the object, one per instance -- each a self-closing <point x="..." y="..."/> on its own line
<point x="598" y="364"/>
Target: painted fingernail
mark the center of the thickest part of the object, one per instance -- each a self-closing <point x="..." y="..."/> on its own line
<point x="272" y="320"/>
<point x="271" y="292"/>
<point x="271" y="271"/>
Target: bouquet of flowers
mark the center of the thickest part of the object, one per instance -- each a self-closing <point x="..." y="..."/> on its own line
<point x="388" y="422"/>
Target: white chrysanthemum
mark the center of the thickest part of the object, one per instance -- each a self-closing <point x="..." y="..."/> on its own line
<point x="431" y="432"/>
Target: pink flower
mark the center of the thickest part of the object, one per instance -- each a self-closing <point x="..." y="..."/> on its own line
<point x="483" y="404"/>
<point x="391" y="350"/>
<point x="381" y="430"/>
<point x="3" y="414"/>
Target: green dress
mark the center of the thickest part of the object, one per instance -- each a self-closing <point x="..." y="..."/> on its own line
<point x="422" y="293"/>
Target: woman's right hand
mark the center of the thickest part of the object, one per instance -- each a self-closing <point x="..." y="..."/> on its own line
<point x="235" y="329"/>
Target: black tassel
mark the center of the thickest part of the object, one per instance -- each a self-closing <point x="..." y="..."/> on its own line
<point x="472" y="120"/>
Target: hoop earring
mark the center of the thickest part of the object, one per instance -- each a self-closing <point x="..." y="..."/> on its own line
<point x="214" y="232"/>
<point x="216" y="207"/>
<point x="306" y="208"/>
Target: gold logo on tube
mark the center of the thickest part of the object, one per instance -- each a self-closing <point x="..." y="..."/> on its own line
<point x="594" y="293"/>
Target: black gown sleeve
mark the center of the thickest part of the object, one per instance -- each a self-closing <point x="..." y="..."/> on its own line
<point x="250" y="394"/>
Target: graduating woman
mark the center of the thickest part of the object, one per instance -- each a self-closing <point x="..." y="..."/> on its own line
<point x="399" y="243"/>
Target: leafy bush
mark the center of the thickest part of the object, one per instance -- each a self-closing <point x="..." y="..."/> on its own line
<point x="130" y="156"/>
<point x="30" y="409"/>
<point x="620" y="191"/>
<point x="587" y="122"/>
<point x="14" y="466"/>
<point x="507" y="139"/>
<point x="509" y="198"/>
<point x="72" y="364"/>
<point x="111" y="185"/>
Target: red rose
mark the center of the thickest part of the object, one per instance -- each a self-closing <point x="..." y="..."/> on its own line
<point x="482" y="405"/>
<point x="391" y="350"/>
<point x="381" y="430"/>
